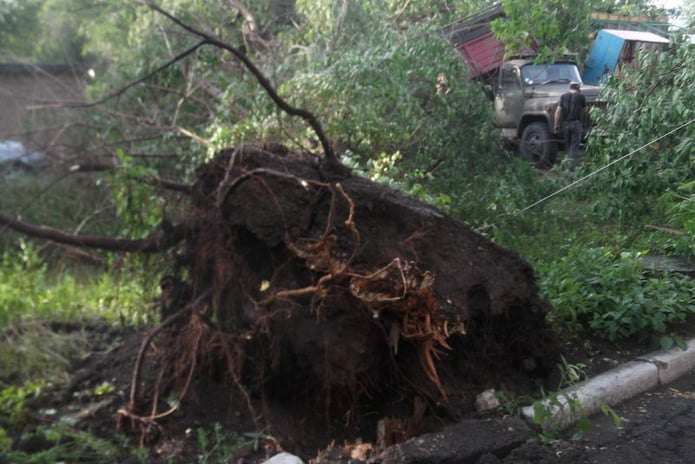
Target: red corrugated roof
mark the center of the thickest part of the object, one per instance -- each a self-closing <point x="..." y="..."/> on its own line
<point x="483" y="54"/>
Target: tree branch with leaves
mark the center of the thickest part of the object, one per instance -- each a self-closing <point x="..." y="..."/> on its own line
<point x="553" y="28"/>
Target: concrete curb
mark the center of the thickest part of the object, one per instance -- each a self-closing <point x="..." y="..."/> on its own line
<point x="610" y="388"/>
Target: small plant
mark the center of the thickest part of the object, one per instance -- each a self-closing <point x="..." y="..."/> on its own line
<point x="14" y="401"/>
<point x="5" y="441"/>
<point x="558" y="410"/>
<point x="220" y="446"/>
<point x="33" y="351"/>
<point x="679" y="207"/>
<point x="104" y="388"/>
<point x="547" y="414"/>
<point x="571" y="373"/>
<point x="608" y="411"/>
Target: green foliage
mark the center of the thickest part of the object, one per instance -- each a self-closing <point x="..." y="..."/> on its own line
<point x="554" y="27"/>
<point x="548" y="415"/>
<point x="571" y="373"/>
<point x="630" y="7"/>
<point x="651" y="118"/>
<point x="104" y="388"/>
<point x="5" y="441"/>
<point x="18" y="21"/>
<point x="347" y="19"/>
<point x="382" y="96"/>
<point x="67" y="200"/>
<point x="679" y="209"/>
<point x="139" y="206"/>
<point x="13" y="403"/>
<point x="595" y="290"/>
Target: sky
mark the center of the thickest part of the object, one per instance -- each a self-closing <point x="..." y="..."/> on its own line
<point x="669" y="3"/>
<point x="672" y="4"/>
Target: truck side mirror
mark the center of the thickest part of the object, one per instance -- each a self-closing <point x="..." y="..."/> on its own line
<point x="487" y="89"/>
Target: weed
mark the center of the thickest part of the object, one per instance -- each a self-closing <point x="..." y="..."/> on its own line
<point x="558" y="410"/>
<point x="548" y="415"/>
<point x="70" y="445"/>
<point x="571" y="373"/>
<point x="608" y="411"/>
<point x="104" y="388"/>
<point x="14" y="401"/>
<point x="5" y="441"/>
<point x="218" y="446"/>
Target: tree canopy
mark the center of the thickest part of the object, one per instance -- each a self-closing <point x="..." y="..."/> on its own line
<point x="392" y="95"/>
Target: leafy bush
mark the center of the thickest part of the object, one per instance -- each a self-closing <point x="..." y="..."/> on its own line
<point x="679" y="208"/>
<point x="610" y="295"/>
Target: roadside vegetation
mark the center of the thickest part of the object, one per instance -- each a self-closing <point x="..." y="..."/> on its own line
<point x="395" y="98"/>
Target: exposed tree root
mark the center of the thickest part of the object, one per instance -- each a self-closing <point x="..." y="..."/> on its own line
<point x="305" y="303"/>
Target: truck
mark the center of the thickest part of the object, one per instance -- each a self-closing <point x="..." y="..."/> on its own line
<point x="525" y="97"/>
<point x="524" y="93"/>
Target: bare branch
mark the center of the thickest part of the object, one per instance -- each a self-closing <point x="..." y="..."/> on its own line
<point x="150" y="180"/>
<point x="132" y="84"/>
<point x="250" y="27"/>
<point x="152" y="155"/>
<point x="168" y="184"/>
<point x="148" y="245"/>
<point x="262" y="80"/>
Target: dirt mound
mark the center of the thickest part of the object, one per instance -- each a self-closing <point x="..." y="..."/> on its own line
<point x="305" y="295"/>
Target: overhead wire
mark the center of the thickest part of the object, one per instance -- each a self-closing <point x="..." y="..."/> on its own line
<point x="603" y="168"/>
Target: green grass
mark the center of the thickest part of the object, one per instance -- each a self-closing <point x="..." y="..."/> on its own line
<point x="30" y="290"/>
<point x="40" y="281"/>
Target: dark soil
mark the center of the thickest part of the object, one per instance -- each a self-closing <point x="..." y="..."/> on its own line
<point x="323" y="302"/>
<point x="111" y="360"/>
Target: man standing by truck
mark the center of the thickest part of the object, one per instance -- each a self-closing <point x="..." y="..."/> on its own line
<point x="569" y="116"/>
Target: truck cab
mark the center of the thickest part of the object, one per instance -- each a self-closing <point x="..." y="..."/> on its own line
<point x="525" y="98"/>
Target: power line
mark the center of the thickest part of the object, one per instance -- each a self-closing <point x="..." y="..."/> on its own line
<point x="591" y="174"/>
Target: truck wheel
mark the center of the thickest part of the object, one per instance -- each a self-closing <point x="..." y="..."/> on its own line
<point x="538" y="145"/>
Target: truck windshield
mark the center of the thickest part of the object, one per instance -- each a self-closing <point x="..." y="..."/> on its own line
<point x="540" y="74"/>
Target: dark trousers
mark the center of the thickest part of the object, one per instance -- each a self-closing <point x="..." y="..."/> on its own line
<point x="572" y="131"/>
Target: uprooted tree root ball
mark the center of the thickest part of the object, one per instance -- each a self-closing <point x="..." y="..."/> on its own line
<point x="300" y="284"/>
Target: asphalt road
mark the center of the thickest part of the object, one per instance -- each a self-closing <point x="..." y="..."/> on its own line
<point x="658" y="427"/>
